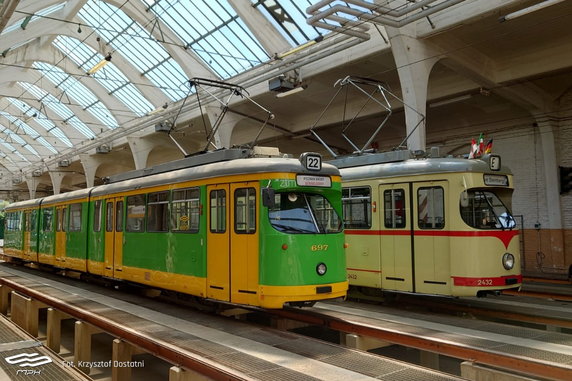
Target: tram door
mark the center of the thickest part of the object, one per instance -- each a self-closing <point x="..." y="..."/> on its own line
<point x="61" y="229"/>
<point x="244" y="242"/>
<point x="218" y="242"/>
<point x="27" y="233"/>
<point x="113" y="259"/>
<point x="395" y="239"/>
<point x="431" y="238"/>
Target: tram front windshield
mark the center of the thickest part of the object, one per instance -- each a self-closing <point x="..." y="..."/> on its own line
<point x="302" y="213"/>
<point x="483" y="209"/>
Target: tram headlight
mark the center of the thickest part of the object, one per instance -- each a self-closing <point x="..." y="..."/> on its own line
<point x="508" y="261"/>
<point x="321" y="269"/>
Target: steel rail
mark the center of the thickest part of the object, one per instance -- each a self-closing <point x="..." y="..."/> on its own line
<point x="158" y="348"/>
<point x="340" y="322"/>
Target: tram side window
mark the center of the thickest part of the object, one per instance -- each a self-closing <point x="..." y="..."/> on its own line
<point x="245" y="211"/>
<point x="109" y="217"/>
<point x="135" y="213"/>
<point x="357" y="207"/>
<point x="97" y="205"/>
<point x="185" y="210"/>
<point x="47" y="219"/>
<point x="218" y="211"/>
<point x="75" y="217"/>
<point x="158" y="212"/>
<point x="431" y="208"/>
<point x="394" y="208"/>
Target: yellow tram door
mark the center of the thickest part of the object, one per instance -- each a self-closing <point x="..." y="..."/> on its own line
<point x="61" y="238"/>
<point x="431" y="238"/>
<point x="244" y="242"/>
<point x="395" y="239"/>
<point x="113" y="258"/>
<point x="218" y="243"/>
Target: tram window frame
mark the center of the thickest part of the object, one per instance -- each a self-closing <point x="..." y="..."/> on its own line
<point x="394" y="217"/>
<point x="186" y="202"/>
<point x="131" y="223"/>
<point x="217" y="224"/>
<point x="75" y="217"/>
<point x="157" y="214"/>
<point x="247" y="212"/>
<point x="97" y="209"/>
<point x="351" y="203"/>
<point x="47" y="219"/>
<point x="435" y="224"/>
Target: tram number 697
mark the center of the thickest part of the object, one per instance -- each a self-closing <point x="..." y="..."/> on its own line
<point x="319" y="247"/>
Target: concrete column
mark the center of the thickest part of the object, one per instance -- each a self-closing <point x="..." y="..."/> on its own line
<point x="5" y="293"/>
<point x="90" y="164"/>
<point x="181" y="374"/>
<point x="546" y="133"/>
<point x="54" y="329"/>
<point x="82" y="344"/>
<point x="140" y="149"/>
<point x="32" y="183"/>
<point x="57" y="178"/>
<point x="122" y="353"/>
<point x="25" y="313"/>
<point x="363" y="343"/>
<point x="414" y="59"/>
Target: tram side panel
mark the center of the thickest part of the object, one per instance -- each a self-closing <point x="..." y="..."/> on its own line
<point x="13" y="237"/>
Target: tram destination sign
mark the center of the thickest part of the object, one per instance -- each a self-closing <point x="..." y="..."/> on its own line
<point x="496" y="180"/>
<point x="313" y="181"/>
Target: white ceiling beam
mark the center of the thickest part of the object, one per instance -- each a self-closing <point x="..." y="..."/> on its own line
<point x="265" y="32"/>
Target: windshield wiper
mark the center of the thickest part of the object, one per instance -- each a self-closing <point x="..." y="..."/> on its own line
<point x="292" y="228"/>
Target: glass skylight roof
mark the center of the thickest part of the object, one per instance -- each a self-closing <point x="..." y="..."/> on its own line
<point x="59" y="108"/>
<point x="213" y="30"/>
<point x="78" y="92"/>
<point x="42" y="120"/>
<point x="18" y="123"/>
<point x="109" y="77"/>
<point x="137" y="45"/>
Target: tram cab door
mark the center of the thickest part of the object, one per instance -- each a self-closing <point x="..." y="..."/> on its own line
<point x="218" y="242"/>
<point x="431" y="238"/>
<point x="244" y="242"/>
<point x="61" y="236"/>
<point x="113" y="258"/>
<point x="395" y="241"/>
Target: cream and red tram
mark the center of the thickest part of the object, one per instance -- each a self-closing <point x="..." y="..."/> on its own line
<point x="430" y="226"/>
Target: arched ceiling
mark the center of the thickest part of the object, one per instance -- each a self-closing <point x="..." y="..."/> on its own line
<point x="73" y="72"/>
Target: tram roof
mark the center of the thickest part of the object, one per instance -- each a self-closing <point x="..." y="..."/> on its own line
<point x="206" y="171"/>
<point x="416" y="167"/>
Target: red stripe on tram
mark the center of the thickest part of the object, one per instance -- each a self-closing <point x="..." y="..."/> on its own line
<point x="504" y="235"/>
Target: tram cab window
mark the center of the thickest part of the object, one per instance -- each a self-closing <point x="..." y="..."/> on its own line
<point x="245" y="211"/>
<point x="484" y="209"/>
<point x="135" y="213"/>
<point x="62" y="219"/>
<point x="300" y="213"/>
<point x="431" y="208"/>
<point x="357" y="207"/>
<point x="185" y="210"/>
<point x="394" y="208"/>
<point x="75" y="217"/>
<point x="158" y="212"/>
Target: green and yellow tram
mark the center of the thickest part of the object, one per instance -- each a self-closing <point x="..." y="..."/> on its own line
<point x="251" y="231"/>
<point x="429" y="225"/>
